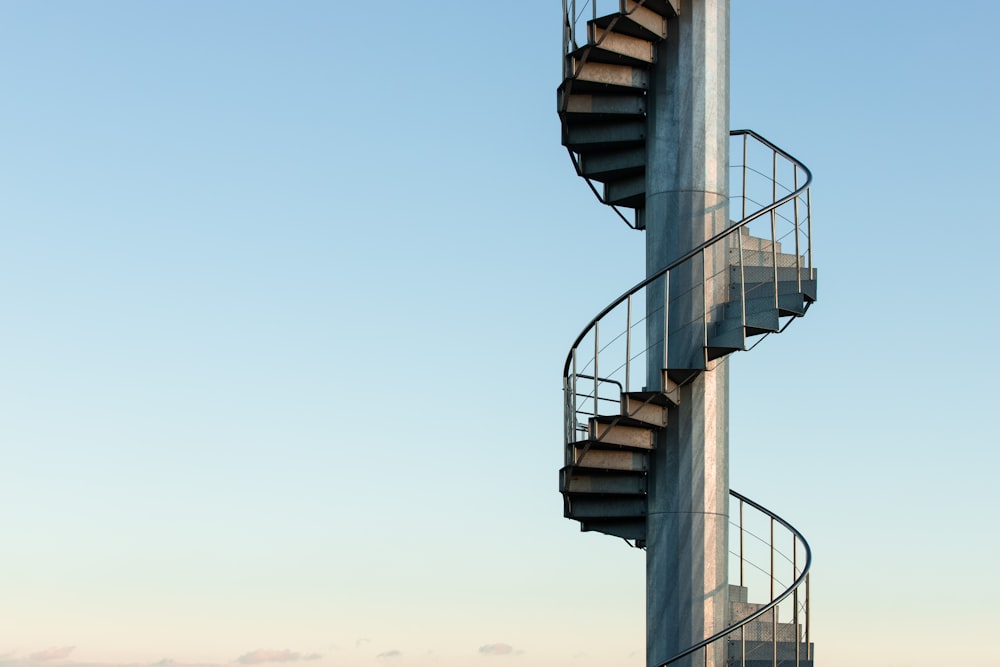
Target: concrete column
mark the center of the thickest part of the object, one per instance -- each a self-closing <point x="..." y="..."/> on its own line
<point x="687" y="201"/>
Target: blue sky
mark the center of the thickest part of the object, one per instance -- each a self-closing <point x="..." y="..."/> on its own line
<point x="287" y="289"/>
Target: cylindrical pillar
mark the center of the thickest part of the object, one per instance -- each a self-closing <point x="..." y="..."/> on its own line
<point x="687" y="201"/>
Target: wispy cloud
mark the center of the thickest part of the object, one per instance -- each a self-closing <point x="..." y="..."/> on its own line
<point x="272" y="655"/>
<point x="496" y="649"/>
<point x="54" y="653"/>
<point x="389" y="654"/>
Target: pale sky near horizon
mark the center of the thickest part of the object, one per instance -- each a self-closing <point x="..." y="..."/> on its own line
<point x="286" y="291"/>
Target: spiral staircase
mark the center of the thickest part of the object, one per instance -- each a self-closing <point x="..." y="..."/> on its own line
<point x="613" y="409"/>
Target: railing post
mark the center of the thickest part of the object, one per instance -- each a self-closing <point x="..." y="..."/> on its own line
<point x="741" y="543"/>
<point x="795" y="597"/>
<point x="809" y="231"/>
<point x="704" y="299"/>
<point x="628" y="344"/>
<point x="567" y="420"/>
<point x="743" y="629"/>
<point x="774" y="610"/>
<point x="774" y="636"/>
<point x="597" y="349"/>
<point x="575" y="394"/>
<point x="774" y="222"/>
<point x="666" y="328"/>
<point x="809" y="656"/>
<point x="772" y="558"/>
<point x="798" y="260"/>
<point x="743" y="290"/>
<point x="744" y="217"/>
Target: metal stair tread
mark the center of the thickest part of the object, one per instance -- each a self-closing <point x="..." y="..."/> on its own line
<point x="589" y="107"/>
<point x="624" y="77"/>
<point x="668" y="8"/>
<point x="605" y="53"/>
<point x="591" y="443"/>
<point x="622" y="420"/>
<point x="759" y="304"/>
<point x="615" y="164"/>
<point x="654" y="397"/>
<point x="593" y="469"/>
<point x="630" y="23"/>
<point x="589" y="482"/>
<point x="600" y="507"/>
<point x="601" y="137"/>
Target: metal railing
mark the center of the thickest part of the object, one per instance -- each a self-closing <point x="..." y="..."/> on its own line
<point x="776" y="633"/>
<point x="768" y="246"/>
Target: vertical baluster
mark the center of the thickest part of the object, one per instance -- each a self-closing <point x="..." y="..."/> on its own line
<point x="809" y="655"/>
<point x="597" y="350"/>
<point x="744" y="178"/>
<point x="743" y="629"/>
<point x="774" y="610"/>
<point x="741" y="543"/>
<point x="628" y="344"/>
<point x="809" y="232"/>
<point x="795" y="597"/>
<point x="774" y="222"/>
<point x="774" y="636"/>
<point x="704" y="298"/>
<point x="576" y="395"/>
<point x="798" y="260"/>
<point x="772" y="558"/>
<point x="666" y="327"/>
<point x="743" y="287"/>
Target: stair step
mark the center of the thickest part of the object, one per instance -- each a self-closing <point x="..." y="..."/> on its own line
<point x="584" y="107"/>
<point x="751" y="242"/>
<point x="788" y="304"/>
<point x="647" y="407"/>
<point x="765" y="258"/>
<point x="765" y="289"/>
<point x="627" y="528"/>
<point x="722" y="344"/>
<point x="609" y="76"/>
<point x="613" y="165"/>
<point x="618" y="430"/>
<point x="765" y="274"/>
<point x="636" y="21"/>
<point x="628" y="191"/>
<point x="601" y="456"/>
<point x="756" y="323"/>
<point x="582" y="137"/>
<point x="673" y="378"/>
<point x="615" y="47"/>
<point x="668" y="8"/>
<point x="604" y="507"/>
<point x="574" y="480"/>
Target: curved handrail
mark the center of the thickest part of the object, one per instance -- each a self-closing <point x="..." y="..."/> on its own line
<point x="803" y="577"/>
<point x="703" y="246"/>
